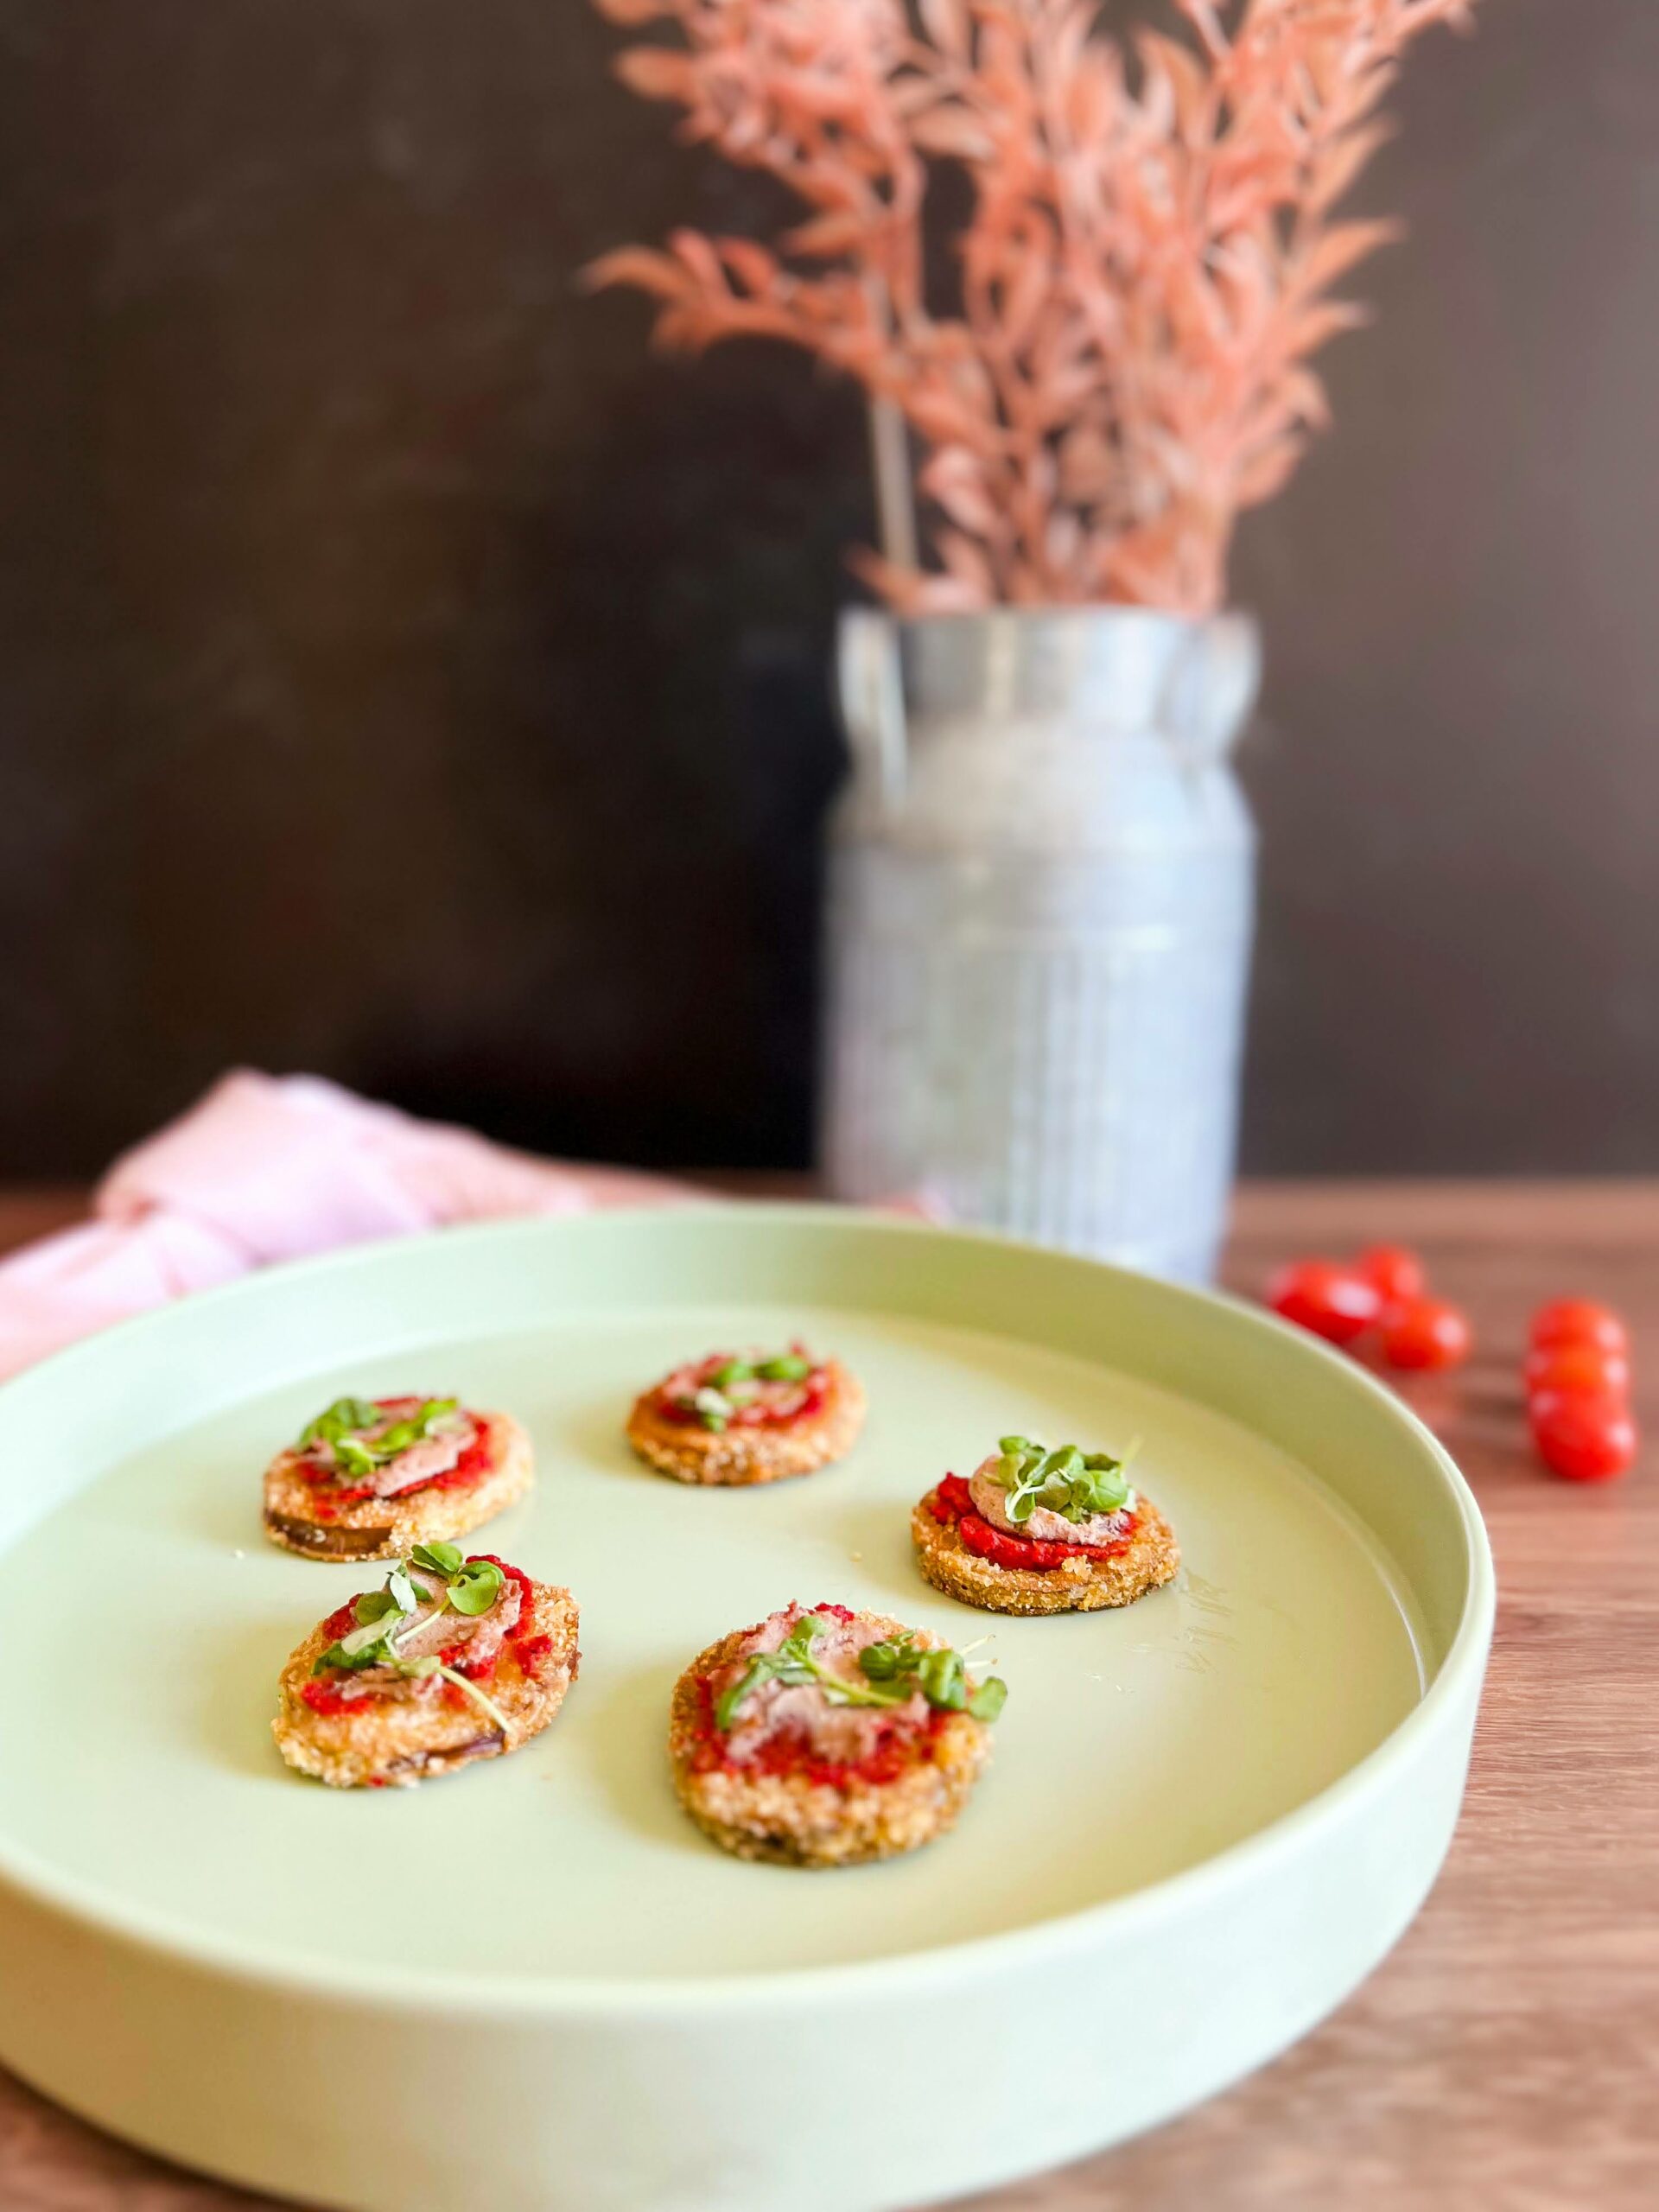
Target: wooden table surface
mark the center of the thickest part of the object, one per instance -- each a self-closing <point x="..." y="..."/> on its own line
<point x="1505" y="2058"/>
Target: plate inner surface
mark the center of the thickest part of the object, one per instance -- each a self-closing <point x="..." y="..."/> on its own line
<point x="1134" y="1743"/>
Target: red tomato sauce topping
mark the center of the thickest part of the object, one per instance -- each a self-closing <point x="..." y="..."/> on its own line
<point x="952" y="1504"/>
<point x="323" y="1694"/>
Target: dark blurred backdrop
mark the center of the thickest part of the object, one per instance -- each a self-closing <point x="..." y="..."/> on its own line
<point x="404" y="674"/>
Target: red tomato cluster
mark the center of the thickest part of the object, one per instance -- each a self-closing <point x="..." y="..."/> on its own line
<point x="1578" y="1379"/>
<point x="1577" y="1369"/>
<point x="1384" y="1290"/>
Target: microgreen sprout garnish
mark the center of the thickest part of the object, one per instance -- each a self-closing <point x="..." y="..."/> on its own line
<point x="714" y="1408"/>
<point x="477" y="1587"/>
<point x="346" y="1426"/>
<point x="341" y="1419"/>
<point x="730" y="1384"/>
<point x="402" y="1591"/>
<point x="1075" y="1484"/>
<point x="786" y="1367"/>
<point x="893" y="1671"/>
<point x="382" y="1615"/>
<point x="438" y="1558"/>
<point x="941" y="1675"/>
<point x="471" y="1586"/>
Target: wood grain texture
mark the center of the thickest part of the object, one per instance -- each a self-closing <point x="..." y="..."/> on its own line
<point x="1506" y="2057"/>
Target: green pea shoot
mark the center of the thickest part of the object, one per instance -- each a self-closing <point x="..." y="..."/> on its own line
<point x="1074" y="1484"/>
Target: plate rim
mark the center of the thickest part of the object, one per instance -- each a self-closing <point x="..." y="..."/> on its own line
<point x="550" y="1997"/>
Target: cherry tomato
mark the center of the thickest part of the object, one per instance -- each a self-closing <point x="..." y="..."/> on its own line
<point x="1585" y="1369"/>
<point x="1427" y="1332"/>
<point x="1396" y="1270"/>
<point x="1583" y="1439"/>
<point x="1543" y="1405"/>
<point x="1578" y="1321"/>
<point x="1334" y="1301"/>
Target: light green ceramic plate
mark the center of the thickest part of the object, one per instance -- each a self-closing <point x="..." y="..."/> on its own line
<point x="1207" y="1818"/>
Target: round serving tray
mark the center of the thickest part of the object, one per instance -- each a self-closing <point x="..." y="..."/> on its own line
<point x="1208" y="1816"/>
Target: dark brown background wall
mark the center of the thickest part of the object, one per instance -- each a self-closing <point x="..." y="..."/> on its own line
<point x="402" y="675"/>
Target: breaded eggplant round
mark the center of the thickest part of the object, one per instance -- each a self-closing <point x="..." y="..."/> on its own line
<point x="1034" y="1531"/>
<point x="370" y="1476"/>
<point x="733" y="1419"/>
<point x="827" y="1737"/>
<point x="451" y="1661"/>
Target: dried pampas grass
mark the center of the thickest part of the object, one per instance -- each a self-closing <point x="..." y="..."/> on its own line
<point x="1147" y="267"/>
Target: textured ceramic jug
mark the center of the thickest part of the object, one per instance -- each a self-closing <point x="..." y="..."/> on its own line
<point x="1041" y="896"/>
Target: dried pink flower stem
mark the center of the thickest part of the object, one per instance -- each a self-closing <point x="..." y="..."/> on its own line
<point x="1147" y="269"/>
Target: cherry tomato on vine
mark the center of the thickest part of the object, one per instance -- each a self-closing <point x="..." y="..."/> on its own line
<point x="1583" y="1439"/>
<point x="1396" y="1271"/>
<point x="1426" y="1333"/>
<point x="1584" y="1369"/>
<point x="1334" y="1301"/>
<point x="1577" y="1321"/>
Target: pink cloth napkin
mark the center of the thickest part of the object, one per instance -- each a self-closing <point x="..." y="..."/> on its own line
<point x="266" y="1168"/>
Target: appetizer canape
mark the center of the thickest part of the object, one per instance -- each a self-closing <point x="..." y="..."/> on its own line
<point x="452" y="1660"/>
<point x="823" y="1738"/>
<point x="370" y="1476"/>
<point x="752" y="1417"/>
<point x="1035" y="1531"/>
